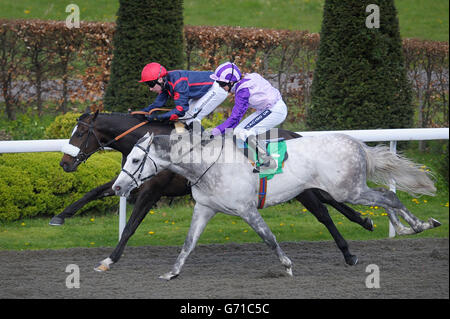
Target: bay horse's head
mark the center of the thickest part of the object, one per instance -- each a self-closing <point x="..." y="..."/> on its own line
<point x="85" y="141"/>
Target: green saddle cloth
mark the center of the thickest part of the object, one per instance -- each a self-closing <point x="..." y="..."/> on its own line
<point x="278" y="152"/>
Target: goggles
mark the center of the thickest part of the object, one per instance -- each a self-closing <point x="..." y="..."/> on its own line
<point x="222" y="84"/>
<point x="151" y="84"/>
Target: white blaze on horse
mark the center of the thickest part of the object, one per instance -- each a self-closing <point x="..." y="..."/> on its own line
<point x="336" y="163"/>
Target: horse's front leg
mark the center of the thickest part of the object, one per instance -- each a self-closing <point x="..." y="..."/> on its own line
<point x="146" y="199"/>
<point x="96" y="193"/>
<point x="164" y="184"/>
<point x="257" y="223"/>
<point x="202" y="215"/>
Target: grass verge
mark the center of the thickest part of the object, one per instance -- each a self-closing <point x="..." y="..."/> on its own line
<point x="168" y="226"/>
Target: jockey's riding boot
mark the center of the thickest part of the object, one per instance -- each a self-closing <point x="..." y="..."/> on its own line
<point x="195" y="125"/>
<point x="268" y="163"/>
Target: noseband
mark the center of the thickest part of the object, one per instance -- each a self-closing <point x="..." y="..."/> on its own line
<point x="82" y="156"/>
<point x="141" y="167"/>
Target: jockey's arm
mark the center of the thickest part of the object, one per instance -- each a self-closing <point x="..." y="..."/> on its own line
<point x="160" y="101"/>
<point x="241" y="105"/>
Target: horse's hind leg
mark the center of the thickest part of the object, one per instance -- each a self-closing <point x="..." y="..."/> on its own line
<point x="312" y="203"/>
<point x="390" y="201"/>
<point x="416" y="224"/>
<point x="200" y="218"/>
<point x="254" y="219"/>
<point x="400" y="229"/>
<point x="345" y="210"/>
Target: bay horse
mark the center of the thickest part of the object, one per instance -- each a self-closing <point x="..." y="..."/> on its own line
<point x="335" y="163"/>
<point x="95" y="131"/>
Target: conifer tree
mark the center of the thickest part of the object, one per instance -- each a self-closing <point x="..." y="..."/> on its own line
<point x="360" y="80"/>
<point x="147" y="31"/>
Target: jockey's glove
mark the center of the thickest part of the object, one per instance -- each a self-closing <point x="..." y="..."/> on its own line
<point x="172" y="115"/>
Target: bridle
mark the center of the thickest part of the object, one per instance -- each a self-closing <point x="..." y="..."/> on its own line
<point x="82" y="156"/>
<point x="141" y="166"/>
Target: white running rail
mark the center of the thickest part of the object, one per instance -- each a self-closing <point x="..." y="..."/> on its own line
<point x="381" y="135"/>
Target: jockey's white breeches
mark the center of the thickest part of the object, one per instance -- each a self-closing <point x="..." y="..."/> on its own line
<point x="199" y="108"/>
<point x="261" y="121"/>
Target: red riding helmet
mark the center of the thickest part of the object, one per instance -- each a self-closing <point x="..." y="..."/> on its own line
<point x="152" y="71"/>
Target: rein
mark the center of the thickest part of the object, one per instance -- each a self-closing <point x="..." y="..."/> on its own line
<point x="141" y="167"/>
<point x="198" y="180"/>
<point x="82" y="156"/>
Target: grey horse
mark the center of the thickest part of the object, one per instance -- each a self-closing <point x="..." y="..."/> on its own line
<point x="223" y="180"/>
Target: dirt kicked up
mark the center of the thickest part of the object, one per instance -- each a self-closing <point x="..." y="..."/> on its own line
<point x="407" y="268"/>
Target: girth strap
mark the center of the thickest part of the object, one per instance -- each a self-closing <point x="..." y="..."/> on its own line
<point x="262" y="192"/>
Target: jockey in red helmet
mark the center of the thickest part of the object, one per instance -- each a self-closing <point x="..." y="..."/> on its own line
<point x="194" y="92"/>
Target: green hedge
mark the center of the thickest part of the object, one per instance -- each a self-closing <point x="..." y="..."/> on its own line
<point x="62" y="126"/>
<point x="35" y="185"/>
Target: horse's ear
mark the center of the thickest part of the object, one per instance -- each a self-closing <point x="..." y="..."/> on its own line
<point x="151" y="138"/>
<point x="95" y="116"/>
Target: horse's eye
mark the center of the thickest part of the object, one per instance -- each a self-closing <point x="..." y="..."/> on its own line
<point x="135" y="161"/>
<point x="80" y="134"/>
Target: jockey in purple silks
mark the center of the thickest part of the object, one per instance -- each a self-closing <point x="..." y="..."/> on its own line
<point x="194" y="93"/>
<point x="251" y="90"/>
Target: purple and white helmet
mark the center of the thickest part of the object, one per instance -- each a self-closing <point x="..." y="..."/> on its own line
<point x="227" y="72"/>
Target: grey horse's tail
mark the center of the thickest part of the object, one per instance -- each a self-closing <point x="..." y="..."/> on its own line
<point x="383" y="167"/>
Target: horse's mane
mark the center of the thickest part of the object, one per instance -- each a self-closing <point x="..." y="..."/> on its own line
<point x="138" y="117"/>
<point x="128" y="115"/>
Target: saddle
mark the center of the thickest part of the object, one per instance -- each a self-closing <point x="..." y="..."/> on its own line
<point x="275" y="148"/>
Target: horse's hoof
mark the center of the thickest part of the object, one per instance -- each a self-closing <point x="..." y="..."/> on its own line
<point x="352" y="260"/>
<point x="168" y="276"/>
<point x="289" y="271"/>
<point x="434" y="222"/>
<point x="56" y="221"/>
<point x="102" y="268"/>
<point x="368" y="224"/>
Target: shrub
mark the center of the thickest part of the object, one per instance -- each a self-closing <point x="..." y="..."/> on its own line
<point x="34" y="184"/>
<point x="147" y="31"/>
<point x="62" y="126"/>
<point x="360" y="80"/>
<point x="213" y="120"/>
<point x="26" y="126"/>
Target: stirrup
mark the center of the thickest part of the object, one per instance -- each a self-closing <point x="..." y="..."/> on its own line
<point x="266" y="166"/>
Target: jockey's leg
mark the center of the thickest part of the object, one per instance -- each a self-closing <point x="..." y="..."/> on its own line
<point x="258" y="123"/>
<point x="200" y="108"/>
